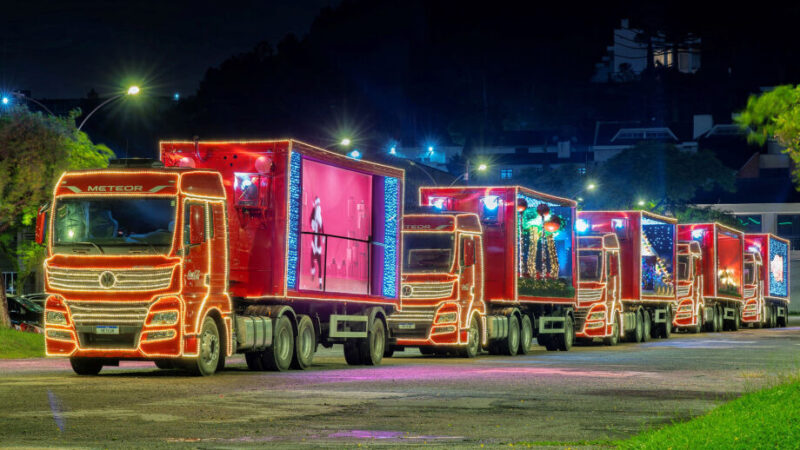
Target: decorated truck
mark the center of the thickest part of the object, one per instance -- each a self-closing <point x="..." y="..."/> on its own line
<point x="487" y="267"/>
<point x="266" y="248"/>
<point x="721" y="259"/>
<point x="766" y="281"/>
<point x="635" y="297"/>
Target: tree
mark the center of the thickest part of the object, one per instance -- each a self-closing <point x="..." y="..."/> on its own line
<point x="34" y="150"/>
<point x="660" y="175"/>
<point x="775" y="115"/>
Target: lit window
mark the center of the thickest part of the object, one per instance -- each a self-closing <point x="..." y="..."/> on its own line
<point x="506" y="174"/>
<point x="581" y="170"/>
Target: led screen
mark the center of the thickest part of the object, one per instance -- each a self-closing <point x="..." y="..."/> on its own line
<point x="335" y="225"/>
<point x="778" y="268"/>
<point x="658" y="240"/>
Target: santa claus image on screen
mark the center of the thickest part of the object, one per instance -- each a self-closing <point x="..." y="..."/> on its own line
<point x="317" y="241"/>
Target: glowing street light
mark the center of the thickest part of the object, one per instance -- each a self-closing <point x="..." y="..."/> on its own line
<point x="393" y="150"/>
<point x="640" y="203"/>
<point x="345" y="142"/>
<point x="430" y="149"/>
<point x="355" y="154"/>
<point x="133" y="90"/>
<point x="482" y="167"/>
<point x="5" y="100"/>
<point x="591" y="186"/>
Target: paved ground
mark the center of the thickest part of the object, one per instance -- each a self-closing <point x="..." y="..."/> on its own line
<point x="589" y="394"/>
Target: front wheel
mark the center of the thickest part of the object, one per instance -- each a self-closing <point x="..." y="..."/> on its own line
<point x="86" y="366"/>
<point x="614" y="338"/>
<point x="473" y="339"/>
<point x="373" y="346"/>
<point x="564" y="341"/>
<point x="208" y="352"/>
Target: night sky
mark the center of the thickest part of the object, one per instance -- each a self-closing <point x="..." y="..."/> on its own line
<point x="61" y="49"/>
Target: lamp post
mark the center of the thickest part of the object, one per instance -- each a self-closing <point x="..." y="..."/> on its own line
<point x="424" y="171"/>
<point x="481" y="168"/>
<point x="31" y="99"/>
<point x="133" y="90"/>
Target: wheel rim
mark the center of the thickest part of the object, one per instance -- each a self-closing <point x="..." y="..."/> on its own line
<point x="209" y="349"/>
<point x="305" y="343"/>
<point x="569" y="334"/>
<point x="513" y="338"/>
<point x="377" y="341"/>
<point x="282" y="344"/>
<point x="473" y="337"/>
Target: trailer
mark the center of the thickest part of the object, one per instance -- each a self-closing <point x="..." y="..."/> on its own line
<point x="266" y="248"/>
<point x="487" y="267"/>
<point x="722" y="260"/>
<point x="646" y="278"/>
<point x="766" y="278"/>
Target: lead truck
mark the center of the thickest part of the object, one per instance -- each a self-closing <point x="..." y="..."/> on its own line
<point x="266" y="248"/>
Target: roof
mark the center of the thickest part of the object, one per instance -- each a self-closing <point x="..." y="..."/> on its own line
<point x="754" y="190"/>
<point x="632" y="132"/>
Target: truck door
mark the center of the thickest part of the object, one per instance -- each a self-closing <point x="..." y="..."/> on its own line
<point x="195" y="255"/>
<point x="466" y="275"/>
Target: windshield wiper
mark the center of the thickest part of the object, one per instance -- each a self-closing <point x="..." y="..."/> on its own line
<point x="90" y="243"/>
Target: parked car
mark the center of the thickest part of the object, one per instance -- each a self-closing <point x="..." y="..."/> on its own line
<point x="26" y="312"/>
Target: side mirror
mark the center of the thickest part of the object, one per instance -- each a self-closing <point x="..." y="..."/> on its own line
<point x="41" y="224"/>
<point x="197" y="224"/>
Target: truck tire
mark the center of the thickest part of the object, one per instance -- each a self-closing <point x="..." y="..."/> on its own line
<point x="525" y="335"/>
<point x="638" y="330"/>
<point x="774" y="316"/>
<point x="666" y="327"/>
<point x="719" y="322"/>
<point x="352" y="352"/>
<point x="253" y="360"/>
<point x="278" y="357"/>
<point x="699" y="326"/>
<point x="710" y="325"/>
<point x="736" y="323"/>
<point x="473" y="339"/>
<point x="564" y="341"/>
<point x="305" y="344"/>
<point x="614" y="338"/>
<point x="86" y="366"/>
<point x="373" y="346"/>
<point x="208" y="350"/>
<point x="164" y="364"/>
<point x="647" y="325"/>
<point x="510" y="345"/>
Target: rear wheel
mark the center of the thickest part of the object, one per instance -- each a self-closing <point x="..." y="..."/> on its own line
<point x="525" y="335"/>
<point x="736" y="323"/>
<point x="718" y="319"/>
<point x="305" y="343"/>
<point x="473" y="339"/>
<point x="564" y="341"/>
<point x="373" y="346"/>
<point x="86" y="366"/>
<point x="279" y="356"/>
<point x="638" y="330"/>
<point x="647" y="325"/>
<point x="774" y="316"/>
<point x="510" y="345"/>
<point x="711" y="325"/>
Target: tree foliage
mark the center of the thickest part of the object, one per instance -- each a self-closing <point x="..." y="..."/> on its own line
<point x="775" y="115"/>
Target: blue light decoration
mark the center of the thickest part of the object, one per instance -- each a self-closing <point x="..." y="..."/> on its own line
<point x="581" y="225"/>
<point x="391" y="212"/>
<point x="355" y="154"/>
<point x="439" y="203"/>
<point x="778" y="268"/>
<point x="295" y="189"/>
<point x="5" y="100"/>
<point x="176" y="96"/>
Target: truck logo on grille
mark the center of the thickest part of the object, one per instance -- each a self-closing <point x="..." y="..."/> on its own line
<point x="406" y="291"/>
<point x="107" y="280"/>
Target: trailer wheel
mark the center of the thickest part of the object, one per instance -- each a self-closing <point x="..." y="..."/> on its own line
<point x="208" y="350"/>
<point x="474" y="339"/>
<point x="614" y="338"/>
<point x="638" y="331"/>
<point x="736" y="323"/>
<point x="305" y="344"/>
<point x="719" y="322"/>
<point x="278" y="357"/>
<point x="564" y="341"/>
<point x="253" y="360"/>
<point x="647" y="326"/>
<point x="710" y="325"/>
<point x="373" y="346"/>
<point x="525" y="335"/>
<point x="510" y="345"/>
<point x="86" y="366"/>
<point x="666" y="327"/>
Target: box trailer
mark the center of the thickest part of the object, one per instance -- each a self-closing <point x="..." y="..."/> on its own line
<point x="487" y="267"/>
<point x="266" y="248"/>
<point x="766" y="278"/>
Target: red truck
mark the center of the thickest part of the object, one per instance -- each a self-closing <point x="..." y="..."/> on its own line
<point x="721" y="268"/>
<point x="628" y="287"/>
<point x="487" y="267"/>
<point x="265" y="248"/>
<point x="766" y="281"/>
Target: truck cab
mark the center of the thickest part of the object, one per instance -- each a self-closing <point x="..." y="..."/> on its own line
<point x="442" y="282"/>
<point x="598" y="313"/>
<point x="690" y="304"/>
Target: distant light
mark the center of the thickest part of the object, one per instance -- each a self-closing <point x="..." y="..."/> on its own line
<point x="71" y="233"/>
<point x="580" y="199"/>
<point x="697" y="234"/>
<point x="482" y="167"/>
<point x="591" y="186"/>
<point x="581" y="225"/>
<point x="345" y="141"/>
<point x="355" y="154"/>
<point x="430" y="149"/>
<point x="133" y="90"/>
<point x="176" y="96"/>
<point x="491" y="202"/>
<point x="640" y="203"/>
<point x="393" y="151"/>
<point x="5" y="100"/>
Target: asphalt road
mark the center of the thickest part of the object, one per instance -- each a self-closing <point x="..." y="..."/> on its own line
<point x="592" y="393"/>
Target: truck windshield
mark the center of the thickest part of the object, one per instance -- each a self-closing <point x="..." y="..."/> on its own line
<point x="113" y="225"/>
<point x="590" y="265"/>
<point x="749" y="273"/>
<point x="427" y="252"/>
<point x="683" y="267"/>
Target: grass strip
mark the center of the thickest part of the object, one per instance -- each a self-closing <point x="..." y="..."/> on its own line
<point x="17" y="344"/>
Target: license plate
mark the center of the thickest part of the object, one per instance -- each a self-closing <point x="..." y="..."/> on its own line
<point x="107" y="329"/>
<point x="406" y="326"/>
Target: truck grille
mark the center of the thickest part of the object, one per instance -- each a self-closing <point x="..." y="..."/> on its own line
<point x="589" y="295"/>
<point x="128" y="317"/>
<point x="412" y="323"/>
<point x="427" y="290"/>
<point x="102" y="280"/>
<point x="749" y="292"/>
<point x="580" y="317"/>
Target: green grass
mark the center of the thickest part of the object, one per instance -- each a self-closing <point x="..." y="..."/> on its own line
<point x="765" y="418"/>
<point x="16" y="344"/>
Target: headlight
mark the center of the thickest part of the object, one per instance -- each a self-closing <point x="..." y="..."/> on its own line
<point x="596" y="316"/>
<point x="446" y="318"/>
<point x="58" y="334"/>
<point x="158" y="335"/>
<point x="165" y="318"/>
<point x="56" y="318"/>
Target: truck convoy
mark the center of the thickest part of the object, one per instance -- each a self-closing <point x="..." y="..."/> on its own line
<point x="270" y="248"/>
<point x="263" y="248"/>
<point x="487" y="267"/>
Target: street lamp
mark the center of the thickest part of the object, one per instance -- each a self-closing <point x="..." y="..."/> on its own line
<point x="133" y="90"/>
<point x="433" y="180"/>
<point x="30" y="99"/>
<point x="640" y="203"/>
<point x="481" y="168"/>
<point x="345" y="142"/>
<point x="591" y="186"/>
